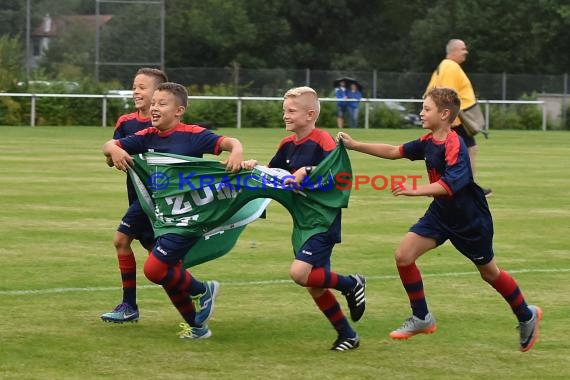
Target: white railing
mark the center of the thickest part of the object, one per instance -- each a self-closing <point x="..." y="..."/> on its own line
<point x="239" y="103"/>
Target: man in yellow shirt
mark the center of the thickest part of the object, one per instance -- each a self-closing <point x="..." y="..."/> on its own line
<point x="450" y="74"/>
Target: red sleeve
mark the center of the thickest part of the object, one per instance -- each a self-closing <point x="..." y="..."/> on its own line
<point x="445" y="186"/>
<point x="452" y="150"/>
<point x="218" y="146"/>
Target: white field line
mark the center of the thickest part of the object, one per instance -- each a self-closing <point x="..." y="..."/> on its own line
<point x="266" y="282"/>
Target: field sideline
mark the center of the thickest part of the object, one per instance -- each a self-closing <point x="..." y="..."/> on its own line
<point x="60" y="206"/>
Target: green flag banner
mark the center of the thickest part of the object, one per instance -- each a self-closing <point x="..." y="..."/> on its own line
<point x="197" y="198"/>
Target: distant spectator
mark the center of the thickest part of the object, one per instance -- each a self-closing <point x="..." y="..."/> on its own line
<point x="354" y="105"/>
<point x="342" y="104"/>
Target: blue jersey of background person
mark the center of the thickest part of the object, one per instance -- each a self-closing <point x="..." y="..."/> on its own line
<point x="463" y="215"/>
<point x="127" y="125"/>
<point x="341" y="106"/>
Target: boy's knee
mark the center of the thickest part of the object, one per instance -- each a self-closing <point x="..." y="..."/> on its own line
<point x="403" y="258"/>
<point x="154" y="269"/>
<point x="298" y="275"/>
<point x="122" y="241"/>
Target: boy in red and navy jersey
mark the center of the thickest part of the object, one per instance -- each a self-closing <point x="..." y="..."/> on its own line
<point x="193" y="299"/>
<point x="299" y="153"/>
<point x="134" y="224"/>
<point x="459" y="213"/>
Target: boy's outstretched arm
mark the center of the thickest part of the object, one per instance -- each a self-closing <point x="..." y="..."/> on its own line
<point x="117" y="156"/>
<point x="412" y="189"/>
<point x="390" y="152"/>
<point x="233" y="163"/>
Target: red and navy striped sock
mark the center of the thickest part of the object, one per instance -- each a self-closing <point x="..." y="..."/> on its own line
<point x="330" y="307"/>
<point x="178" y="280"/>
<point x="412" y="281"/>
<point x="323" y="278"/>
<point x="506" y="285"/>
<point x="176" y="283"/>
<point x="128" y="269"/>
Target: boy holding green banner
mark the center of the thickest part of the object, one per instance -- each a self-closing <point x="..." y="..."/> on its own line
<point x="299" y="154"/>
<point x="193" y="299"/>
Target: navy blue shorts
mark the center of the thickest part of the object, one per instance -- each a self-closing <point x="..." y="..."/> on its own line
<point x="474" y="243"/>
<point x="136" y="224"/>
<point x="469" y="140"/>
<point x="171" y="248"/>
<point x="317" y="250"/>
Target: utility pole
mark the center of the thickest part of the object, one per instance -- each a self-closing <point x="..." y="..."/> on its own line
<point x="28" y="38"/>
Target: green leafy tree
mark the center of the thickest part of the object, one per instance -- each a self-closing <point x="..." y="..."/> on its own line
<point x="13" y="17"/>
<point x="507" y="35"/>
<point x="11" y="58"/>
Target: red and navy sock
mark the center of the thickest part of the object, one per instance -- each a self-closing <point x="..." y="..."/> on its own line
<point x="128" y="269"/>
<point x="330" y="307"/>
<point x="412" y="281"/>
<point x="176" y="282"/>
<point x="323" y="278"/>
<point x="506" y="285"/>
<point x="180" y="298"/>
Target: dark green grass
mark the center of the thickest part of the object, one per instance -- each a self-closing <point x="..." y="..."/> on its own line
<point x="60" y="205"/>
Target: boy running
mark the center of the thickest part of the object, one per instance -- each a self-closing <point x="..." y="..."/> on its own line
<point x="299" y="153"/>
<point x="134" y="224"/>
<point x="193" y="299"/>
<point x="459" y="212"/>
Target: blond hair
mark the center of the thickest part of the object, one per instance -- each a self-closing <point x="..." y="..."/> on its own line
<point x="307" y="98"/>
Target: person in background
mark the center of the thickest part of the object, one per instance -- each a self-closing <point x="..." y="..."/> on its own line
<point x="341" y="104"/>
<point x="354" y="95"/>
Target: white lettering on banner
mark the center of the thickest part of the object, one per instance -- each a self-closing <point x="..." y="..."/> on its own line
<point x="208" y="196"/>
<point x="180" y="207"/>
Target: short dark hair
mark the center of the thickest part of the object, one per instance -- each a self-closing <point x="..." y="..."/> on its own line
<point x="178" y="90"/>
<point x="445" y="98"/>
<point x="158" y="75"/>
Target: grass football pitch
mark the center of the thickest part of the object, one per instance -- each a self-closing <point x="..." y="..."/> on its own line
<point x="60" y="205"/>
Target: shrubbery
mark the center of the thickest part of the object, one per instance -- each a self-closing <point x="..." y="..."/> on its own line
<point x="516" y="116"/>
<point x="223" y="113"/>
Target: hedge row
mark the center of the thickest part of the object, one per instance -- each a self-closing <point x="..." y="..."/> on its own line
<point x="222" y="113"/>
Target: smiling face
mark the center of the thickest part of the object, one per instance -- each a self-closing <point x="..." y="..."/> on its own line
<point x="300" y="110"/>
<point x="298" y="117"/>
<point x="165" y="110"/>
<point x="143" y="88"/>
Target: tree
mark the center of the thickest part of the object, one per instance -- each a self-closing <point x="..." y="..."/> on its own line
<point x="13" y="17"/>
<point x="11" y="58"/>
<point x="502" y="36"/>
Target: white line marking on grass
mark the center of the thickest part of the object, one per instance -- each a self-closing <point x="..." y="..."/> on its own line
<point x="266" y="282"/>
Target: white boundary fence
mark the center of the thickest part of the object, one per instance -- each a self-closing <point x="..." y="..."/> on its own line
<point x="239" y="103"/>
